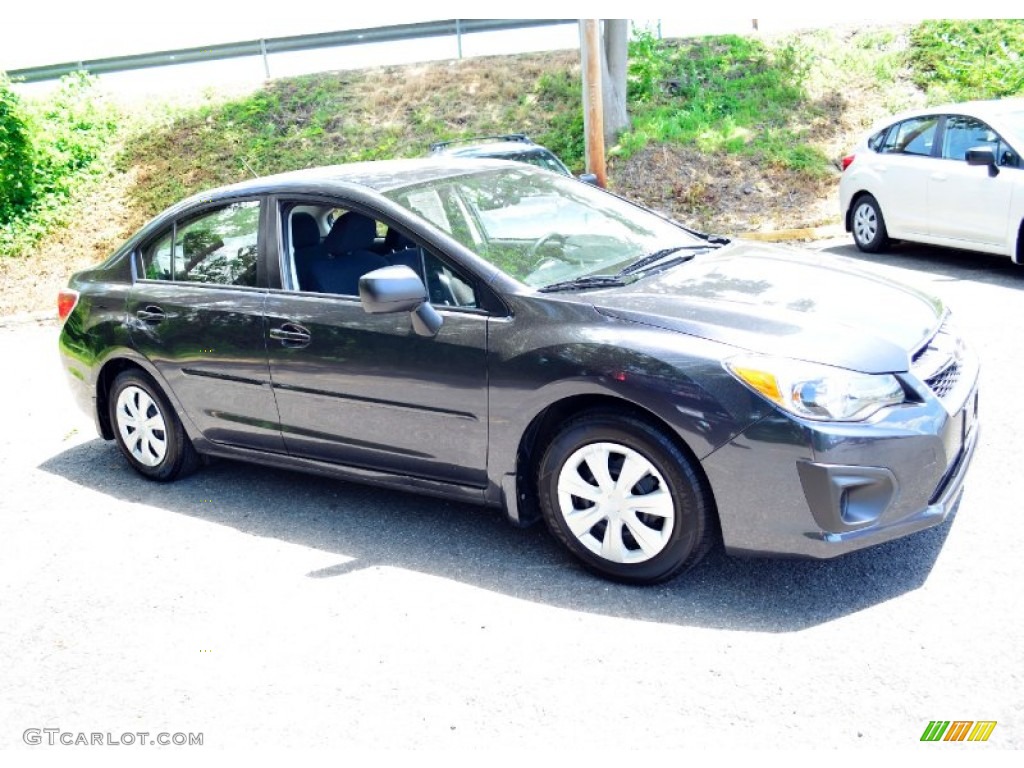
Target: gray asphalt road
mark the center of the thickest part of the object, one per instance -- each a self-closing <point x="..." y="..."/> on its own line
<point x="266" y="608"/>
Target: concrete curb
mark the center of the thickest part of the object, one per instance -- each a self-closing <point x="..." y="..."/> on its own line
<point x="807" y="233"/>
<point x="24" y="318"/>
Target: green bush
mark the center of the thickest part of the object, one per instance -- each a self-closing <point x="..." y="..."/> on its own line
<point x="16" y="168"/>
<point x="71" y="130"/>
<point x="47" y="150"/>
<point x="964" y="59"/>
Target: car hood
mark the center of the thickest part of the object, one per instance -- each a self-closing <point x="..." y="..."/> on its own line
<point x="778" y="301"/>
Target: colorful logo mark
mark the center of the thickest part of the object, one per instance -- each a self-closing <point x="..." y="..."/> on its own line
<point x="958" y="730"/>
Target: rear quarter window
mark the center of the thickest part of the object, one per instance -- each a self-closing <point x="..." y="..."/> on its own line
<point x="876" y="142"/>
<point x="157" y="258"/>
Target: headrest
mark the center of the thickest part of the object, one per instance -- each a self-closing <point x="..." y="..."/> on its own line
<point x="352" y="232"/>
<point x="305" y="231"/>
<point x="396" y="241"/>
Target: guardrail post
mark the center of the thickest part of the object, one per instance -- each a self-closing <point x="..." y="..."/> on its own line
<point x="266" y="61"/>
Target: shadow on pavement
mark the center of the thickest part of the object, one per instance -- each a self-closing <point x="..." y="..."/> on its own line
<point x="948" y="262"/>
<point x="476" y="546"/>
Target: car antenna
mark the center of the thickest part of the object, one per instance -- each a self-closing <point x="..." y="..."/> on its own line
<point x="249" y="168"/>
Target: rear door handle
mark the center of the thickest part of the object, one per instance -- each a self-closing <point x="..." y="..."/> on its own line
<point x="291" y="335"/>
<point x="152" y="314"/>
<point x="939" y="177"/>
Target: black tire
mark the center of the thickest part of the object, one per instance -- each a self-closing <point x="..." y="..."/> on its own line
<point x="868" y="225"/>
<point x="676" y="537"/>
<point x="137" y="408"/>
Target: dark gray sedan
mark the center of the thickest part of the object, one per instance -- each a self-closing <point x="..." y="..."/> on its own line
<point x="500" y="334"/>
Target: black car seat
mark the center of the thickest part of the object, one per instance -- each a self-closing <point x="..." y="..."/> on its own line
<point x="348" y="247"/>
<point x="395" y="241"/>
<point x="306" y="247"/>
<point x="401" y="251"/>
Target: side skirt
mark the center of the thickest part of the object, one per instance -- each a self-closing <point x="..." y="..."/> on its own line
<point x="375" y="477"/>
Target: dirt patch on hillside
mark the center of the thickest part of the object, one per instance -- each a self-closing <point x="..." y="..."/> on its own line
<point x="462" y="92"/>
<point x="724" y="194"/>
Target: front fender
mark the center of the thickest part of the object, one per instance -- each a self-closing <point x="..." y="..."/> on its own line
<point x="676" y="379"/>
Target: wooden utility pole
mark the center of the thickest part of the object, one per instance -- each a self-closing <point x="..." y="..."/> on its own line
<point x="593" y="105"/>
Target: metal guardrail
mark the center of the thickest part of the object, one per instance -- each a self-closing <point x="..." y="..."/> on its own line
<point x="266" y="46"/>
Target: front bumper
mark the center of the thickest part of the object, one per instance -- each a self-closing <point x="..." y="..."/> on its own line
<point x="795" y="488"/>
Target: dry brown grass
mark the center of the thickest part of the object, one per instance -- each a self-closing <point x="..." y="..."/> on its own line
<point x="101" y="220"/>
<point x="724" y="194"/>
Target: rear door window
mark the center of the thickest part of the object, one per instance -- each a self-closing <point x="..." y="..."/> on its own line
<point x="220" y="247"/>
<point x="915" y="136"/>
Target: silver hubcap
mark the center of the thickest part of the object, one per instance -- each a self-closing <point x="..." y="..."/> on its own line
<point x="141" y="426"/>
<point x="865" y="223"/>
<point x="616" y="503"/>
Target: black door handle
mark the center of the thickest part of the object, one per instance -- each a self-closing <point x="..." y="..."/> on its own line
<point x="291" y="335"/>
<point x="152" y="314"/>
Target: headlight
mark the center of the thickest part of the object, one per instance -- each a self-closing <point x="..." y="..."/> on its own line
<point x="815" y="391"/>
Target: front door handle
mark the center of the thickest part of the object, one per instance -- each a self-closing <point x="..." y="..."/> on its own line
<point x="152" y="314"/>
<point x="291" y="335"/>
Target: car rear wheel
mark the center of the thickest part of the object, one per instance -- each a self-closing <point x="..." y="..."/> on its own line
<point x="624" y="499"/>
<point x="868" y="225"/>
<point x="148" y="431"/>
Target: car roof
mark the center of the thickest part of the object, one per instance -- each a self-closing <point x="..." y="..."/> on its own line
<point x="988" y="108"/>
<point x="493" y="148"/>
<point x="379" y="175"/>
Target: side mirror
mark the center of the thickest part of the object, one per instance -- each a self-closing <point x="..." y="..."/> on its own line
<point x="983" y="156"/>
<point x="588" y="178"/>
<point x="399" y="289"/>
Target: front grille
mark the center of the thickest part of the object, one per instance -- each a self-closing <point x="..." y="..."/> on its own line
<point x="938" y="363"/>
<point x="944" y="382"/>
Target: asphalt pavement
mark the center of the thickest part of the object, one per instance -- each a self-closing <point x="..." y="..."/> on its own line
<point x="265" y="608"/>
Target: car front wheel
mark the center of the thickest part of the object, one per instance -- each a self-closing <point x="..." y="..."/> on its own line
<point x="147" y="430"/>
<point x="623" y="498"/>
<point x="868" y="225"/>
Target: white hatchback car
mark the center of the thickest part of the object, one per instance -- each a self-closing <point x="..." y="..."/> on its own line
<point x="949" y="175"/>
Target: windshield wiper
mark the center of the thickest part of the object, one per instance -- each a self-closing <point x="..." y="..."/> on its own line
<point x="641" y="264"/>
<point x="657" y="256"/>
<point x="584" y="282"/>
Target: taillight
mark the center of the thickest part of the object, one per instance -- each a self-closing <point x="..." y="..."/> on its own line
<point x="66" y="301"/>
<point x="847" y="160"/>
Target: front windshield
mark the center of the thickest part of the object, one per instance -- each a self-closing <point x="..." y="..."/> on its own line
<point x="539" y="227"/>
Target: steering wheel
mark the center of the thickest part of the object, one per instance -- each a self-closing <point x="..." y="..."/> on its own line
<point x="551" y="237"/>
